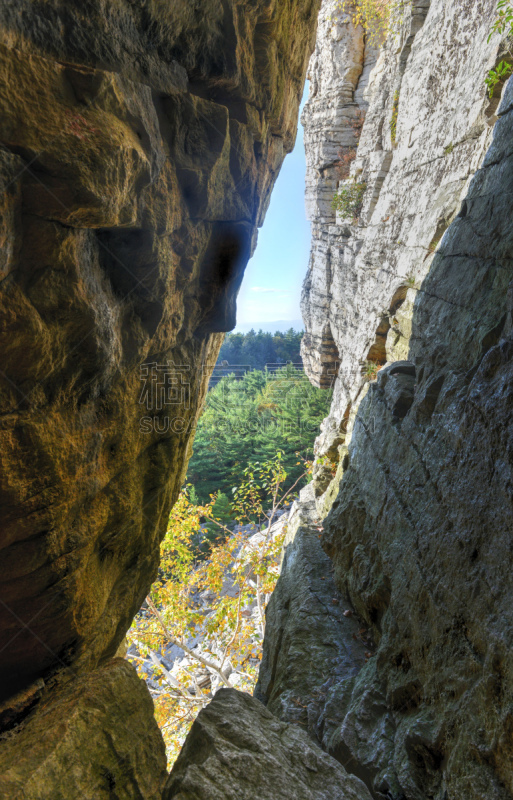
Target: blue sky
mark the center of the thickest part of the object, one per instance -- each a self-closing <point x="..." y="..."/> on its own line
<point x="272" y="284"/>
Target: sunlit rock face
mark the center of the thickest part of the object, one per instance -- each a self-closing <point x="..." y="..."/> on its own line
<point x="139" y="147"/>
<point x="94" y="737"/>
<point x="419" y="533"/>
<point x="430" y="76"/>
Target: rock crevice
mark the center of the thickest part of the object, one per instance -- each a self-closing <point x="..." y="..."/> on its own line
<point x="138" y="149"/>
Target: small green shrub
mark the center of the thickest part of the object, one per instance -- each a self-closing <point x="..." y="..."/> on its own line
<point x="504" y="18"/>
<point x="503" y="22"/>
<point x="370" y="370"/>
<point x="448" y="150"/>
<point x="349" y="199"/>
<point x="497" y="75"/>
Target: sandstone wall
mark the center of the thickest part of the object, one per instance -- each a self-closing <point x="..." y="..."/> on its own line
<point x="419" y="532"/>
<point x="139" y="143"/>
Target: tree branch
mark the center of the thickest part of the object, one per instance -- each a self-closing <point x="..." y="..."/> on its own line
<point x="191" y="653"/>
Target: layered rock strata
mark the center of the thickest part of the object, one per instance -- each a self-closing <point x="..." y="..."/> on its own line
<point x="428" y="124"/>
<point x="419" y="533"/>
<point x="139" y="144"/>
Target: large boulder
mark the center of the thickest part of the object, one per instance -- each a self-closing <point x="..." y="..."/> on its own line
<point x="93" y="737"/>
<point x="237" y="750"/>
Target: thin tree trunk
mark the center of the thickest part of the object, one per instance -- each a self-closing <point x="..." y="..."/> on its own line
<point x="191" y="653"/>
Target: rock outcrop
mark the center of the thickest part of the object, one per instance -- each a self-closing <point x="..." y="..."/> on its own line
<point x="419" y="533"/>
<point x="139" y="144"/>
<point x="428" y="124"/>
<point x="314" y="640"/>
<point x="95" y="738"/>
<point x="237" y="750"/>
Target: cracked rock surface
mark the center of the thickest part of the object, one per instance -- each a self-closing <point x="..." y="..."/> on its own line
<point x="237" y="750"/>
<point x="364" y="273"/>
<point x="138" y="152"/>
<point x="94" y="738"/>
<point x="314" y="641"/>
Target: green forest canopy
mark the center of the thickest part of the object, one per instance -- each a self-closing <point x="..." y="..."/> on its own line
<point x="258" y="349"/>
<point x="248" y="419"/>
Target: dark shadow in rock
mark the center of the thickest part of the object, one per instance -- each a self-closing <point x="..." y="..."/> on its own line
<point x="222" y="270"/>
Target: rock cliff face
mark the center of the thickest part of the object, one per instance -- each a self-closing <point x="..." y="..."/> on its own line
<point x="419" y="528"/>
<point x="139" y="143"/>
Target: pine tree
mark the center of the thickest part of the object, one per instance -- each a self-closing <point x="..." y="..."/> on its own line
<point x="248" y="420"/>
